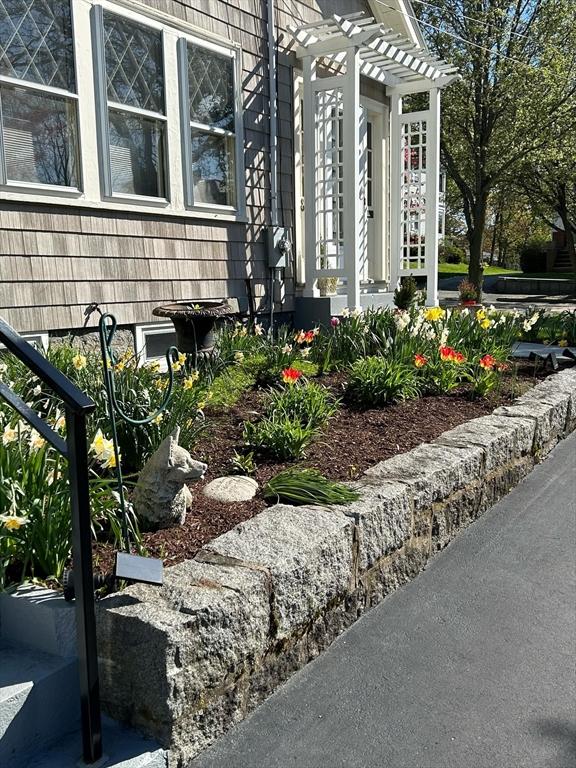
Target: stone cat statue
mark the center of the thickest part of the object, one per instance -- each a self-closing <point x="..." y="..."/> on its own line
<point x="161" y="496"/>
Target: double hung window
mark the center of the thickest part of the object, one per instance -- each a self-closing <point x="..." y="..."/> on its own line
<point x="209" y="101"/>
<point x="133" y="126"/>
<point x="39" y="123"/>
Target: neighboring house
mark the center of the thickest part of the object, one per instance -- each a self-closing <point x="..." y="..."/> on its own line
<point x="140" y="164"/>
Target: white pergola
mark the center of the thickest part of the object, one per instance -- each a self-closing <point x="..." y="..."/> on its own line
<point x="335" y="227"/>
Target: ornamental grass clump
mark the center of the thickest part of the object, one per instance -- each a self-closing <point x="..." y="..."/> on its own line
<point x="307" y="486"/>
<point x="280" y="437"/>
<point x="377" y="381"/>
<point x="309" y="404"/>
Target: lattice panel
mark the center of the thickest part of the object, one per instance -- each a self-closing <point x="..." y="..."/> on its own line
<point x="413" y="195"/>
<point x="211" y="88"/>
<point x="134" y="66"/>
<point x="329" y="180"/>
<point x="36" y="42"/>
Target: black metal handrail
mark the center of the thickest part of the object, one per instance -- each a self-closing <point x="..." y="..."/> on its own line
<point x="77" y="406"/>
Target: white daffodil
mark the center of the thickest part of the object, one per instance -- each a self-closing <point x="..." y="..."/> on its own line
<point x="13" y="522"/>
<point x="258" y="329"/>
<point x="36" y="441"/>
<point x="287" y="348"/>
<point x="10" y="435"/>
<point x="305" y="352"/>
<point x="37" y="390"/>
<point x="346" y="312"/>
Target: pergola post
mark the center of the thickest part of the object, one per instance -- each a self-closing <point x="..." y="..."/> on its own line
<point x="310" y="289"/>
<point x="353" y="205"/>
<point x="432" y="198"/>
<point x="394" y="190"/>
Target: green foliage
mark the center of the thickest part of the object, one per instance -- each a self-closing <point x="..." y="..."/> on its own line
<point x="376" y="381"/>
<point x="280" y="437"/>
<point x="533" y="258"/>
<point x="35" y="515"/>
<point x="554" y="328"/>
<point x="308" y="403"/>
<point x="405" y="294"/>
<point x="449" y="253"/>
<point x="242" y="463"/>
<point x="307" y="486"/>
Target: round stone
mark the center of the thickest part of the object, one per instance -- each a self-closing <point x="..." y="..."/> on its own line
<point x="230" y="489"/>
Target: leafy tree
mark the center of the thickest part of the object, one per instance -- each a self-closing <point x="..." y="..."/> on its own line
<point x="517" y="94"/>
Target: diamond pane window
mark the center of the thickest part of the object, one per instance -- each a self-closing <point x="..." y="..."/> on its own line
<point x="36" y="42"/>
<point x="39" y="116"/>
<point x="134" y="91"/>
<point x="211" y="97"/>
<point x="211" y="88"/>
<point x="134" y="67"/>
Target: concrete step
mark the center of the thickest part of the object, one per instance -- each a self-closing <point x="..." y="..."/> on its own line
<point x="123" y="748"/>
<point x="39" y="701"/>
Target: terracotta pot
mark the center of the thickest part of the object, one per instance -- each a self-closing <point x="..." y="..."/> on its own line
<point x="195" y="322"/>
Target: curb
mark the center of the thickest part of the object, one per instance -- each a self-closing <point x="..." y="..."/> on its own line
<point x="187" y="661"/>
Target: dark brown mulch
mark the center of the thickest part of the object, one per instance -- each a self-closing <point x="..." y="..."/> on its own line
<point x="352" y="442"/>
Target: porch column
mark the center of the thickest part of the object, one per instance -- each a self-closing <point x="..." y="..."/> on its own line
<point x="353" y="205"/>
<point x="394" y="188"/>
<point x="432" y="197"/>
<point x="309" y="157"/>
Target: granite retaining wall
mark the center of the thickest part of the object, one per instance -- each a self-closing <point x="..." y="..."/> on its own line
<point x="186" y="661"/>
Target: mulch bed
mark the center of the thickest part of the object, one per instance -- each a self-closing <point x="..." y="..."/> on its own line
<point x="352" y="442"/>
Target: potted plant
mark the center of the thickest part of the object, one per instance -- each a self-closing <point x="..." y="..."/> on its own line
<point x="468" y="293"/>
<point x="195" y="322"/>
<point x="326" y="285"/>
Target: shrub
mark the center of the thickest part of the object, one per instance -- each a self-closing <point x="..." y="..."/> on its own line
<point x="448" y="253"/>
<point x="533" y="258"/>
<point x="309" y="404"/>
<point x="405" y="294"/>
<point x="280" y="437"/>
<point x="376" y="381"/>
<point x="307" y="486"/>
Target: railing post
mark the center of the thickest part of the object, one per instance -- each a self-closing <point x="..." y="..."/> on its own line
<point x="84" y="586"/>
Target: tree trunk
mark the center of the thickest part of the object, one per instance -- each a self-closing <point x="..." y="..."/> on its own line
<point x="567" y="224"/>
<point x="475" y="236"/>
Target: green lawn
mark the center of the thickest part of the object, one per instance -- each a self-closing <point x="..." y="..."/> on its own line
<point x="453" y="270"/>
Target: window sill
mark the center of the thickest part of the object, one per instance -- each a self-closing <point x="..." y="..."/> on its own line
<point x="124" y="204"/>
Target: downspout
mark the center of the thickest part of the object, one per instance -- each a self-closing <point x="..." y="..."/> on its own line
<point x="273" y="145"/>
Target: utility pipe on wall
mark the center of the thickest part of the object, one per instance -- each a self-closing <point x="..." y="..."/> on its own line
<point x="273" y="115"/>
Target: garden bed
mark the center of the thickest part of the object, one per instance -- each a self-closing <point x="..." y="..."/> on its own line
<point x="352" y="442"/>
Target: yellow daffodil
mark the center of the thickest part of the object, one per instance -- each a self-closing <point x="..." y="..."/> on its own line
<point x="434" y="313"/>
<point x="153" y="366"/>
<point x="79" y="362"/>
<point x="161" y="384"/>
<point x="480" y="315"/>
<point x="188" y="383"/>
<point x="563" y="343"/>
<point x="120" y="365"/>
<point x="158" y="419"/>
<point x="13" y="522"/>
<point x="485" y="324"/>
<point x="181" y="358"/>
<point x="60" y="423"/>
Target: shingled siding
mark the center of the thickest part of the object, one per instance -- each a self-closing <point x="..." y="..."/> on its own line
<point x="57" y="259"/>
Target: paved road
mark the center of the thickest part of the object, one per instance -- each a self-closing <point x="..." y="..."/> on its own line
<point x="469" y="666"/>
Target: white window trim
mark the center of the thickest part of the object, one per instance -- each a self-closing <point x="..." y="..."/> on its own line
<point x="186" y="124"/>
<point x="38" y="338"/>
<point x="140" y="334"/>
<point x="20" y="186"/>
<point x="91" y="174"/>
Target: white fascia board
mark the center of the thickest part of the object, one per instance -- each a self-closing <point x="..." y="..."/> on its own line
<point x="408" y="26"/>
